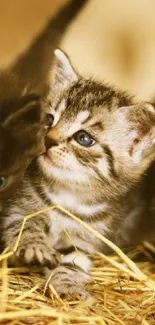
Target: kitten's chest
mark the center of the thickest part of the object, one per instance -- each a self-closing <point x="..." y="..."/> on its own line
<point x="76" y="204"/>
<point x="64" y="199"/>
<point x="64" y="229"/>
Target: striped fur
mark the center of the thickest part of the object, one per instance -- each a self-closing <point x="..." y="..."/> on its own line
<point x="90" y="182"/>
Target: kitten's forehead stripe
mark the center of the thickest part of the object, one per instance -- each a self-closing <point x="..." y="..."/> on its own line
<point x="97" y="125"/>
<point x="87" y="94"/>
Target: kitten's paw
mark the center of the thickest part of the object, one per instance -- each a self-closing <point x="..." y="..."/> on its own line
<point x="70" y="291"/>
<point x="38" y="254"/>
<point x="69" y="282"/>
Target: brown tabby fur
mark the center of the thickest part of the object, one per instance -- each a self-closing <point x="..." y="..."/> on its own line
<point x="91" y="182"/>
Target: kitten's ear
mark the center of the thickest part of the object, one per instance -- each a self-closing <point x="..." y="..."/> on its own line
<point x="64" y="73"/>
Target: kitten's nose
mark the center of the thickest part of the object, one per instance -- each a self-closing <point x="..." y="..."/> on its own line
<point x="49" y="143"/>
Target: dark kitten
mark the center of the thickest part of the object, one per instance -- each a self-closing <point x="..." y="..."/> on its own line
<point x="22" y="90"/>
<point x="98" y="148"/>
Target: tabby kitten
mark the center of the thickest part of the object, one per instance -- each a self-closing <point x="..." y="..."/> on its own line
<point x="23" y="87"/>
<point x="98" y="148"/>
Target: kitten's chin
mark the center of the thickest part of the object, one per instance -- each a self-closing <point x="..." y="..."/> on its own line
<point x="48" y="165"/>
<point x="45" y="162"/>
<point x="50" y="169"/>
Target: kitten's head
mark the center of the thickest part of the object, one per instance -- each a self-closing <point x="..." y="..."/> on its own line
<point x="98" y="136"/>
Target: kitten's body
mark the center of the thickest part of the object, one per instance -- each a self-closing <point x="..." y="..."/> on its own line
<point x="139" y="213"/>
<point x="23" y="87"/>
<point x="89" y="181"/>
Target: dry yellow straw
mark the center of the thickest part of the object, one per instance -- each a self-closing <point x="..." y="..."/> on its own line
<point x="4" y="294"/>
<point x="139" y="319"/>
<point x="26" y="294"/>
<point x="136" y="272"/>
<point x="48" y="313"/>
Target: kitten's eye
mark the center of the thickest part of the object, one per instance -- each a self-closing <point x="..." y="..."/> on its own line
<point x="3" y="181"/>
<point x="49" y="120"/>
<point x="84" y="139"/>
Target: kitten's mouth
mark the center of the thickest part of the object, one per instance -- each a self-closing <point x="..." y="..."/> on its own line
<point x="49" y="160"/>
<point x="47" y="157"/>
<point x="52" y="161"/>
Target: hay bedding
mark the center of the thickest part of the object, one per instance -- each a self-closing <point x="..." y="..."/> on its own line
<point x="123" y="292"/>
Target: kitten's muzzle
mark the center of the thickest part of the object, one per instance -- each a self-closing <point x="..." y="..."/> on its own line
<point x="50" y="143"/>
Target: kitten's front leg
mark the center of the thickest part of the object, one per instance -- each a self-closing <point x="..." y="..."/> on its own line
<point x="71" y="276"/>
<point x="33" y="248"/>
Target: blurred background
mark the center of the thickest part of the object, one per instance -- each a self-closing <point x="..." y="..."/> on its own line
<point x="113" y="40"/>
